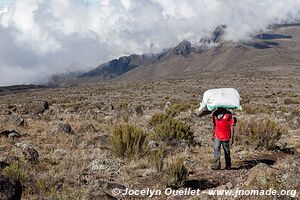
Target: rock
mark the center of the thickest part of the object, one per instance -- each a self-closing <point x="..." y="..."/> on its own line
<point x="16" y="120"/>
<point x="11" y="134"/>
<point x="87" y="128"/>
<point x="167" y="105"/>
<point x="100" y="139"/>
<point x="152" y="144"/>
<point x="139" y="110"/>
<point x="109" y="165"/>
<point x="31" y="155"/>
<point x="229" y="186"/>
<point x="144" y="172"/>
<point x="62" y="127"/>
<point x="260" y="175"/>
<point x="12" y="119"/>
<point x="33" y="107"/>
<point x="101" y="189"/>
<point x="9" y="188"/>
<point x="60" y="153"/>
<point x="100" y="195"/>
<point x="3" y="165"/>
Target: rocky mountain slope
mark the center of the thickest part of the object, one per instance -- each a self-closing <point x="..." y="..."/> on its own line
<point x="273" y="49"/>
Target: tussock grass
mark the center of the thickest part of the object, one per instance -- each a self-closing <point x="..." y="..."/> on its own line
<point x="156" y="158"/>
<point x="260" y="133"/>
<point x="17" y="171"/>
<point x="175" y="173"/>
<point x="174" y="129"/>
<point x="128" y="141"/>
<point x="157" y="119"/>
<point x="175" y="109"/>
<point x="256" y="109"/>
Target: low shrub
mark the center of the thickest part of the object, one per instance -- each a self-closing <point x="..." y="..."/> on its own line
<point x="17" y="171"/>
<point x="128" y="141"/>
<point x="260" y="133"/>
<point x="174" y="129"/>
<point x="290" y="101"/>
<point x="158" y="118"/>
<point x="175" y="109"/>
<point x="256" y="109"/>
<point x="175" y="173"/>
<point x="156" y="158"/>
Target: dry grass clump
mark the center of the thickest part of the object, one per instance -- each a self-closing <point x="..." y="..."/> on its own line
<point x="256" y="109"/>
<point x="156" y="158"/>
<point x="128" y="141"/>
<point x="158" y="118"/>
<point x="260" y="133"/>
<point x="174" y="129"/>
<point x="289" y="101"/>
<point x="175" y="173"/>
<point x="175" y="109"/>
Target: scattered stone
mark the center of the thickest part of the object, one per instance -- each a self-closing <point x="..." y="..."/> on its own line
<point x="11" y="134"/>
<point x="33" y="107"/>
<point x="261" y="174"/>
<point x="139" y="110"/>
<point x="9" y="188"/>
<point x="101" y="189"/>
<point x="62" y="127"/>
<point x="144" y="172"/>
<point x="17" y="120"/>
<point x="109" y="165"/>
<point x="31" y="155"/>
<point x="152" y="144"/>
<point x="229" y="186"/>
<point x="3" y="165"/>
<point x="60" y="153"/>
<point x="167" y="105"/>
<point x="100" y="139"/>
<point x="87" y="128"/>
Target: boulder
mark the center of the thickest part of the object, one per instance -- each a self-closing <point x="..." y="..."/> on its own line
<point x="101" y="140"/>
<point x="10" y="133"/>
<point x="33" y="107"/>
<point x="139" y="110"/>
<point x="9" y="188"/>
<point x="31" y="155"/>
<point x="261" y="175"/>
<point x="62" y="127"/>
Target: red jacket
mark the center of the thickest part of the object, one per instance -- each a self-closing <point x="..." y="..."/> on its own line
<point x="223" y="120"/>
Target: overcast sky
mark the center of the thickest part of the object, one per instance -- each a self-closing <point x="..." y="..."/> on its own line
<point x="39" y="38"/>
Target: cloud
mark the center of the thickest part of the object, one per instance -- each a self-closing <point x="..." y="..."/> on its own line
<point x="44" y="37"/>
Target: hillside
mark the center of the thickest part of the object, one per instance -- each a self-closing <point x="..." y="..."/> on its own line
<point x="276" y="49"/>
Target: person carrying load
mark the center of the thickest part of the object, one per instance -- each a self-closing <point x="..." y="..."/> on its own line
<point x="217" y="102"/>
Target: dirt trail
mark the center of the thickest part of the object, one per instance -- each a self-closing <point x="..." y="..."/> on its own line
<point x="206" y="179"/>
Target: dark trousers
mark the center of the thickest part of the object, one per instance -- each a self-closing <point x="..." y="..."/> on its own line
<point x="217" y="153"/>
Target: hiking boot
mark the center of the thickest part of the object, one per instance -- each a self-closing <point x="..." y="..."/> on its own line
<point x="228" y="167"/>
<point x="215" y="167"/>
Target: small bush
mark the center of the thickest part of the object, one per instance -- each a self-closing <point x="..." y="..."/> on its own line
<point x="175" y="109"/>
<point x="175" y="173"/>
<point x="289" y="101"/>
<point x="158" y="118"/>
<point x="174" y="129"/>
<point x="156" y="158"/>
<point x="128" y="141"/>
<point x="256" y="109"/>
<point x="16" y="171"/>
<point x="261" y="133"/>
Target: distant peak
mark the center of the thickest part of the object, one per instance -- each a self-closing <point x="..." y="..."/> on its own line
<point x="218" y="34"/>
<point x="184" y="48"/>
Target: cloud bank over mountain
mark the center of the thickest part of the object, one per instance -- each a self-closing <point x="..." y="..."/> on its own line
<point x="42" y="37"/>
